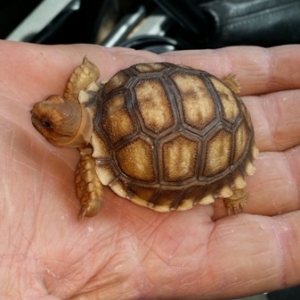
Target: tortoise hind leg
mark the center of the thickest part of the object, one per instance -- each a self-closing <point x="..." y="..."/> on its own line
<point x="88" y="186"/>
<point x="231" y="81"/>
<point x="80" y="79"/>
<point x="237" y="201"/>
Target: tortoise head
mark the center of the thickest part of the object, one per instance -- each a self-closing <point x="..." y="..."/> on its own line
<point x="63" y="122"/>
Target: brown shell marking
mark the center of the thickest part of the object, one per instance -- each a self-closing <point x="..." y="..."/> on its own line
<point x="180" y="146"/>
<point x="154" y="105"/>
<point x="192" y="88"/>
<point x="136" y="160"/>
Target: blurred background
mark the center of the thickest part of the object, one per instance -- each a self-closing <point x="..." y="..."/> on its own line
<point x="155" y="25"/>
<point x="158" y="26"/>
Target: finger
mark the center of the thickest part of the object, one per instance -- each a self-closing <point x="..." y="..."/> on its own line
<point x="276" y="120"/>
<point x="259" y="70"/>
<point x="32" y="71"/>
<point x="248" y="247"/>
<point x="274" y="188"/>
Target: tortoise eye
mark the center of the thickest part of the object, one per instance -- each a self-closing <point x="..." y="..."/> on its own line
<point x="46" y="124"/>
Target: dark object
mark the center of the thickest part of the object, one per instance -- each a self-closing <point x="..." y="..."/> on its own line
<point x="71" y="26"/>
<point x="292" y="293"/>
<point x="156" y="44"/>
<point x="190" y="23"/>
<point x="254" y="22"/>
<point x="238" y="22"/>
<point x="189" y="16"/>
<point x="12" y="12"/>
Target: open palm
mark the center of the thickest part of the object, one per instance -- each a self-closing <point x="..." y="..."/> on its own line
<point x="127" y="251"/>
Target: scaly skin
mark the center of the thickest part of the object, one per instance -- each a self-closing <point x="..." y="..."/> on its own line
<point x="127" y="251"/>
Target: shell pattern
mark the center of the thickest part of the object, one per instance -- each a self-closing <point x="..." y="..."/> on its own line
<point x="168" y="136"/>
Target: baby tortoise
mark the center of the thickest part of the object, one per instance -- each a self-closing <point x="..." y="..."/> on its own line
<point x="165" y="136"/>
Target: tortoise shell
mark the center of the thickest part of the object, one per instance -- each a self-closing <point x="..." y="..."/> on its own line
<point x="168" y="136"/>
<point x="162" y="135"/>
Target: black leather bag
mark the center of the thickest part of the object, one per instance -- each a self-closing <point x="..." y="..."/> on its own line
<point x="216" y="23"/>
<point x="252" y="22"/>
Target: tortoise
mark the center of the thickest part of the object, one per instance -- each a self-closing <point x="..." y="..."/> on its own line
<point x="164" y="136"/>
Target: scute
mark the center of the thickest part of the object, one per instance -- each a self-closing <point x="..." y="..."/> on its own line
<point x="229" y="104"/>
<point x="152" y="97"/>
<point x="150" y="67"/>
<point x="117" y="121"/>
<point x="179" y="158"/>
<point x="218" y="151"/>
<point x="241" y="138"/>
<point x="116" y="81"/>
<point x="192" y="88"/>
<point x="136" y="160"/>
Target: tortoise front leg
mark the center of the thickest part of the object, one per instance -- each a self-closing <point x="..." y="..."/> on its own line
<point x="80" y="79"/>
<point x="89" y="189"/>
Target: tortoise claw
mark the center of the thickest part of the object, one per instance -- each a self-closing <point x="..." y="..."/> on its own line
<point x="236" y="202"/>
<point x="90" y="209"/>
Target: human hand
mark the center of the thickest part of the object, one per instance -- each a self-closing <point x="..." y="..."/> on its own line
<point x="127" y="251"/>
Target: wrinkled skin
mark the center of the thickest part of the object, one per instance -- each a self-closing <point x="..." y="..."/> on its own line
<point x="127" y="251"/>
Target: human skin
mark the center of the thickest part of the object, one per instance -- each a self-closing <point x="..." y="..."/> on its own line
<point x="131" y="252"/>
